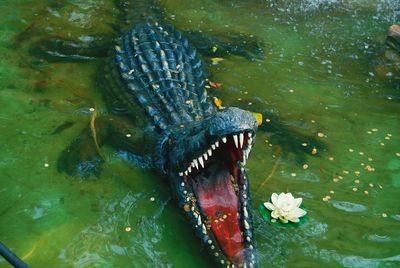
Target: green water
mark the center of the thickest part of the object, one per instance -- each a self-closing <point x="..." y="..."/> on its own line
<point x="320" y="74"/>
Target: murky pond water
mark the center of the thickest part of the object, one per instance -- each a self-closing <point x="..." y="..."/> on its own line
<point x="322" y="78"/>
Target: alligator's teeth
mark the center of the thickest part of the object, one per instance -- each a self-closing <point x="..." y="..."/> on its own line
<point x="196" y="163"/>
<point x="181" y="174"/>
<point x="244" y="160"/>
<point x="186" y="173"/>
<point x="213" y="146"/>
<point x="199" y="220"/>
<point x="217" y="144"/>
<point x="204" y="229"/>
<point x="201" y="161"/>
<point x="182" y="184"/>
<point x="247" y="152"/>
<point x="224" y="139"/>
<point x="209" y="151"/>
<point x="192" y="164"/>
<point x="246" y="215"/>
<point x="248" y="238"/>
<point x="190" y="169"/>
<point x="250" y="135"/>
<point x="235" y="139"/>
<point x="250" y="141"/>
<point x="205" y="156"/>
<point x="241" y="138"/>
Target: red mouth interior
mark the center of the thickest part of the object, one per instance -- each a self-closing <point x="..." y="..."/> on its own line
<point x="220" y="203"/>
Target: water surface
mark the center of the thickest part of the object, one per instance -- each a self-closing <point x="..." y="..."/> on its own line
<point x="322" y="76"/>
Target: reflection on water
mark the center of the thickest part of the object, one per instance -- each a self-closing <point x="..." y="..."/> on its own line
<point x="324" y="86"/>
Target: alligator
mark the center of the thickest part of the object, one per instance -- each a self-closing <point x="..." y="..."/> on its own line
<point x="155" y="85"/>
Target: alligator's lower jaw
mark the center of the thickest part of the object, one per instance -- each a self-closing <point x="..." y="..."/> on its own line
<point x="219" y="202"/>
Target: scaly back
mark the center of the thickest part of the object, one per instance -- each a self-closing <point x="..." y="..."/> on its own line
<point x="158" y="69"/>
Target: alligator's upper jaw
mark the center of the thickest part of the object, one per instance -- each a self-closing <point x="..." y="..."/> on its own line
<point x="214" y="189"/>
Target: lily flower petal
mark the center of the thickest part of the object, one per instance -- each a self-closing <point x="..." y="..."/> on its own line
<point x="269" y="206"/>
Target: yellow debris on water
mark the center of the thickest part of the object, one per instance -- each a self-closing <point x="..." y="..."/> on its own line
<point x="335" y="179"/>
<point x="304" y="144"/>
<point x="355" y="189"/>
<point x="46" y="164"/>
<point x="374" y="129"/>
<point x="384" y="215"/>
<point x="398" y="154"/>
<point x="321" y="135"/>
<point x="331" y="158"/>
<point x="351" y="150"/>
<point x="357" y="181"/>
<point x="357" y="173"/>
<point x="314" y="151"/>
<point x="128" y="229"/>
<point x="218" y="103"/>
<point x="371" y="185"/>
<point x="152" y="199"/>
<point x="366" y="192"/>
<point x="331" y="191"/>
<point x="305" y="166"/>
<point x="216" y="61"/>
<point x="293" y="174"/>
<point x="214" y="49"/>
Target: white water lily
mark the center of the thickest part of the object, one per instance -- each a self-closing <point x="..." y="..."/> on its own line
<point x="285" y="207"/>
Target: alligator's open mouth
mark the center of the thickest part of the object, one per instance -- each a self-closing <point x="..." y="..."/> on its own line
<point x="216" y="198"/>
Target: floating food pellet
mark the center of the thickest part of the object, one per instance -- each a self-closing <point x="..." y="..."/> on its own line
<point x="321" y="135"/>
<point x="380" y="186"/>
<point x="328" y="197"/>
<point x="346" y="172"/>
<point x="46" y="164"/>
<point x="361" y="153"/>
<point x="357" y="181"/>
<point x="314" y="151"/>
<point x="398" y="154"/>
<point x="387" y="138"/>
<point x="340" y="177"/>
<point x="291" y="90"/>
<point x="374" y="129"/>
<point x="370" y="159"/>
<point x="304" y="144"/>
<point x="181" y="126"/>
<point x="335" y="179"/>
<point x="371" y="185"/>
<point x="128" y="229"/>
<point x="128" y="135"/>
<point x="362" y="164"/>
<point x="325" y="199"/>
<point x="305" y="166"/>
<point x="313" y="121"/>
<point x="293" y="174"/>
<point x="273" y="220"/>
<point x="331" y="158"/>
<point x="331" y="191"/>
<point x="351" y="150"/>
<point x="382" y="144"/>
<point x="267" y="120"/>
<point x="366" y="192"/>
<point x="357" y="173"/>
<point x="389" y="135"/>
<point x="355" y="189"/>
<point x="152" y="199"/>
<point x="91" y="109"/>
<point x="384" y="215"/>
<point x="369" y="132"/>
